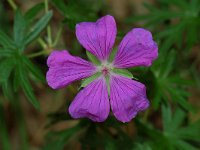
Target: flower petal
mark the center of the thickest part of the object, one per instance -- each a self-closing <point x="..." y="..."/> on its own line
<point x="98" y="37"/>
<point x="65" y="68"/>
<point x="136" y="49"/>
<point x="92" y="102"/>
<point x="127" y="97"/>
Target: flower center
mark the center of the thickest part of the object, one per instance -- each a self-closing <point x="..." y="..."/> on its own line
<point x="105" y="71"/>
<point x="105" y="68"/>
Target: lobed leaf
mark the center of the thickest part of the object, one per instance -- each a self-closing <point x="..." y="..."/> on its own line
<point x="31" y="13"/>
<point x="6" y="66"/>
<point x="34" y="69"/>
<point x="38" y="27"/>
<point x="167" y="117"/>
<point x="19" y="29"/>
<point x="60" y="139"/>
<point x="26" y="86"/>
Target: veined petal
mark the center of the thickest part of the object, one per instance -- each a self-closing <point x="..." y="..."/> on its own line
<point x="92" y="102"/>
<point x="127" y="97"/>
<point x="65" y="68"/>
<point x="98" y="37"/>
<point x="136" y="49"/>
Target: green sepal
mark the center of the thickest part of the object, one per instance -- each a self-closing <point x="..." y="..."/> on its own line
<point x="92" y="58"/>
<point x="112" y="54"/>
<point x="124" y="72"/>
<point x="87" y="81"/>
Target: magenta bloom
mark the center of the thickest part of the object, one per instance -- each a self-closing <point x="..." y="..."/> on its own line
<point x="127" y="97"/>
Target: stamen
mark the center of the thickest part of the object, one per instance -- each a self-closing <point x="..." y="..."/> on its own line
<point x="105" y="71"/>
<point x="105" y="68"/>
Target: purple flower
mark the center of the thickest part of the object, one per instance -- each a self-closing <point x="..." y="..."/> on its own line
<point x="126" y="97"/>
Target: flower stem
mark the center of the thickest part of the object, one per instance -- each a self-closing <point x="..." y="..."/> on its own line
<point x="37" y="54"/>
<point x="12" y="4"/>
<point x="48" y="27"/>
<point x="42" y="43"/>
<point x="57" y="36"/>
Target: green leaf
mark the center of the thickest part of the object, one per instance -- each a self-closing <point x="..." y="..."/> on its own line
<point x="154" y="17"/>
<point x="185" y="12"/>
<point x="196" y="76"/>
<point x="88" y="80"/>
<point x="169" y="31"/>
<point x="38" y="27"/>
<point x="124" y="72"/>
<point x="76" y="11"/>
<point x="167" y="117"/>
<point x="192" y="32"/>
<point x="26" y="86"/>
<point x="34" y="69"/>
<point x="8" y="90"/>
<point x="19" y="29"/>
<point x="92" y="58"/>
<point x="180" y="99"/>
<point x="174" y="136"/>
<point x="157" y="98"/>
<point x="190" y="132"/>
<point x="177" y="119"/>
<point x="182" y="145"/>
<point x="168" y="64"/>
<point x="61" y="5"/>
<point x="59" y="139"/>
<point x="175" y="133"/>
<point x="194" y="5"/>
<point x="143" y="146"/>
<point x="4" y="52"/>
<point x="176" y="79"/>
<point x="138" y="18"/>
<point x="6" y="66"/>
<point x="183" y="4"/>
<point x="31" y="13"/>
<point x="5" y="40"/>
<point x="150" y="7"/>
<point x="110" y="145"/>
<point x="16" y="81"/>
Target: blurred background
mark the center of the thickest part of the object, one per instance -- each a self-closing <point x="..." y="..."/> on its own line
<point x="34" y="117"/>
